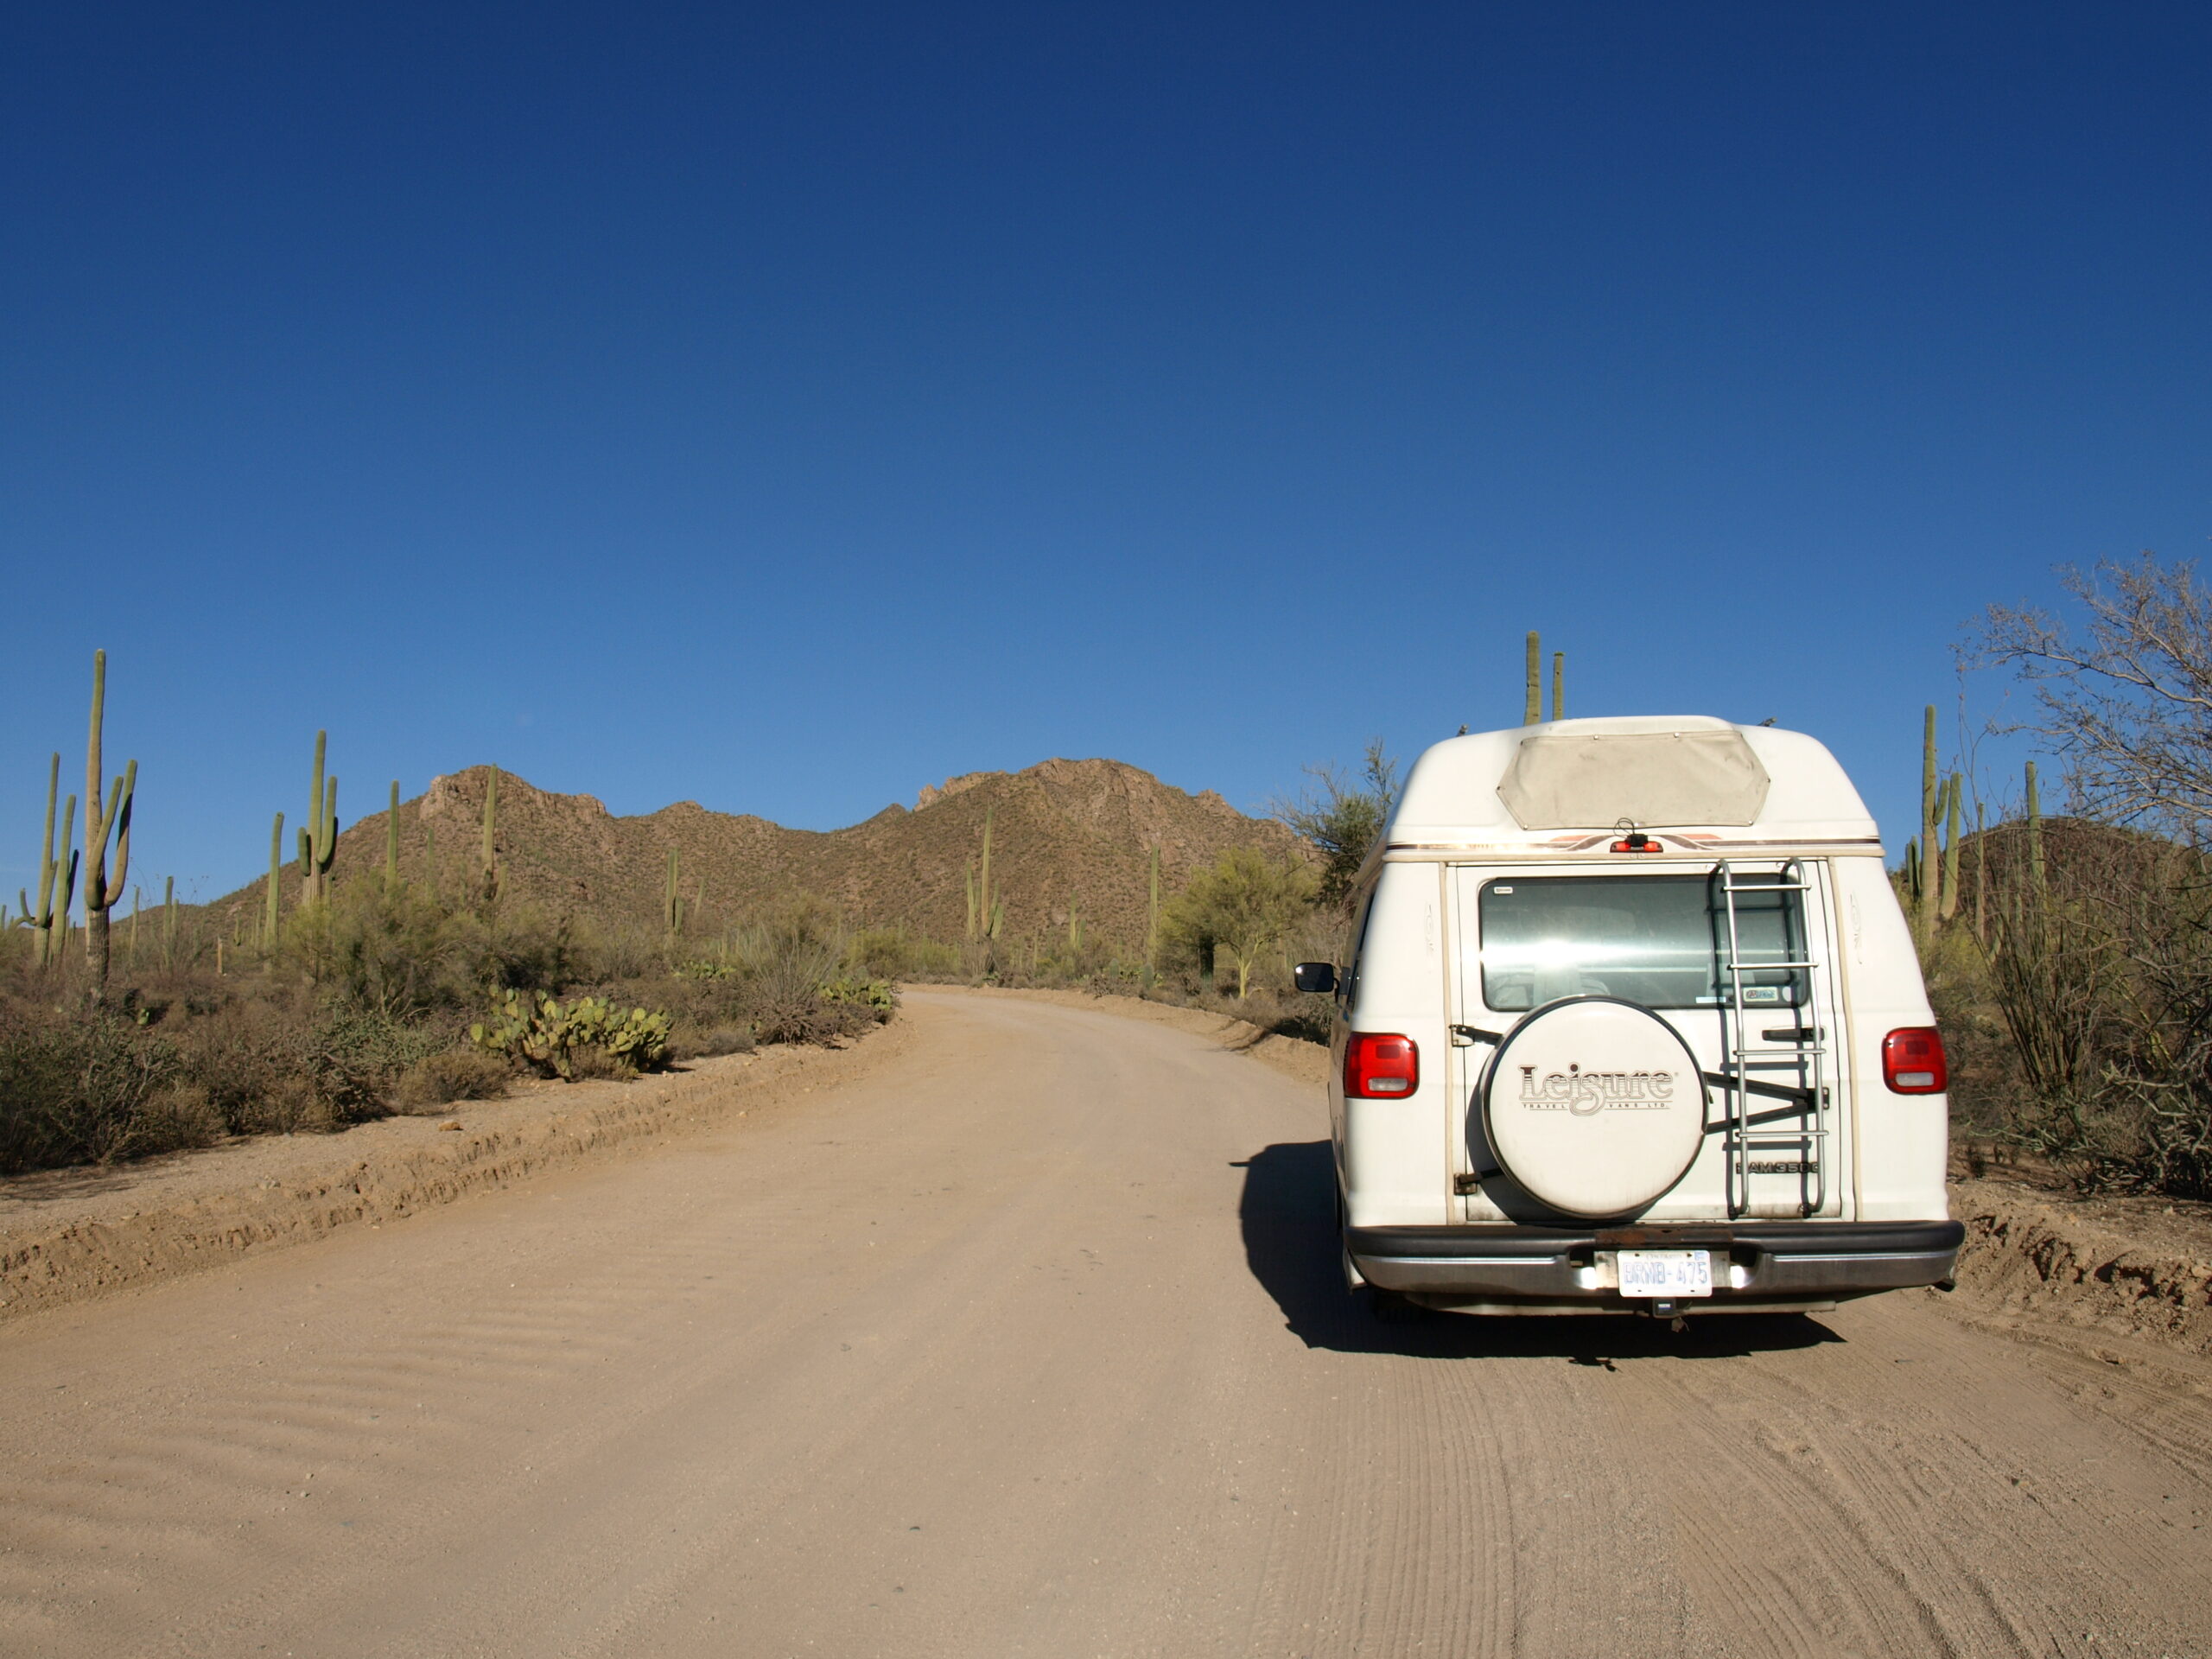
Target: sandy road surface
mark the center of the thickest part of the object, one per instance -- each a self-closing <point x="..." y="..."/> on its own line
<point x="1033" y="1346"/>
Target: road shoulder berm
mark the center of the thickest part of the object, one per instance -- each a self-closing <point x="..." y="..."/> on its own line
<point x="70" y="1234"/>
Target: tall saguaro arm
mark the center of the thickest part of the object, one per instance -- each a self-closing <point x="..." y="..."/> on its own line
<point x="103" y="889"/>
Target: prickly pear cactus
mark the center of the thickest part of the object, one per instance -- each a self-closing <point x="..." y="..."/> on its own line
<point x="547" y="1037"/>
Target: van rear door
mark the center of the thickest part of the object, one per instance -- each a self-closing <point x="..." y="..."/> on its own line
<point x="1737" y="957"/>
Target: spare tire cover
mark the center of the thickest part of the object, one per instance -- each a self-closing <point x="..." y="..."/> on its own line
<point x="1594" y="1105"/>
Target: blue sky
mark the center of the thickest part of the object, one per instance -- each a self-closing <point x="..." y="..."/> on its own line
<point x="784" y="407"/>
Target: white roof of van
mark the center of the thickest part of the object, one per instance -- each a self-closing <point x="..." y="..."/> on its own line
<point x="1698" y="780"/>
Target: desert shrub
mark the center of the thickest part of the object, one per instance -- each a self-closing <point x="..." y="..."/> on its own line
<point x="893" y="953"/>
<point x="81" y="1088"/>
<point x="451" y="1074"/>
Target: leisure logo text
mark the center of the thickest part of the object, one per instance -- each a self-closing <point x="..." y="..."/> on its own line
<point x="1584" y="1093"/>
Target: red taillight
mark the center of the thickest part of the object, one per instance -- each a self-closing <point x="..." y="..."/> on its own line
<point x="1381" y="1066"/>
<point x="1913" y="1062"/>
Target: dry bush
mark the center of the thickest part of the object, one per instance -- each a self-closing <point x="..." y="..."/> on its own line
<point x="437" y="1080"/>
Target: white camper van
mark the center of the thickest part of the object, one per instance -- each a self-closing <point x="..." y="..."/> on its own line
<point x="1633" y="1022"/>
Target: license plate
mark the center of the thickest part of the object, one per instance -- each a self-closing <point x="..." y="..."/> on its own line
<point x="1666" y="1272"/>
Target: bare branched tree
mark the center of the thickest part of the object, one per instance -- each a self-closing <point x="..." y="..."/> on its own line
<point x="2127" y="703"/>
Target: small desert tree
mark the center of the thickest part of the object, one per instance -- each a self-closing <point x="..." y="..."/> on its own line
<point x="1241" y="904"/>
<point x="2128" y="701"/>
<point x="1343" y="817"/>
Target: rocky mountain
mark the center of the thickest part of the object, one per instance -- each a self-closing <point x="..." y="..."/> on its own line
<point x="1063" y="833"/>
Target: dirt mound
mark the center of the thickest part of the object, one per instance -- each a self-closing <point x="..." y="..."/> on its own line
<point x="1064" y="833"/>
<point x="2132" y="1266"/>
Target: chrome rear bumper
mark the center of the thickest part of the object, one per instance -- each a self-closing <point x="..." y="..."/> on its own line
<point x="1758" y="1266"/>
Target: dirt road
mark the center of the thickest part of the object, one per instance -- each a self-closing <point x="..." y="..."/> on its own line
<point x="1034" y="1345"/>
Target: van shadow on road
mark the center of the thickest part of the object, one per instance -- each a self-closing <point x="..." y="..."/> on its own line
<point x="1288" y="1214"/>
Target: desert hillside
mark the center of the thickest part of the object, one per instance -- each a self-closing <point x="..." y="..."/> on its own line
<point x="1063" y="832"/>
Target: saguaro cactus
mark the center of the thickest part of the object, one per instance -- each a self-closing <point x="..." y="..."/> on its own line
<point x="57" y="878"/>
<point x="392" y="841"/>
<point x="2035" y="833"/>
<point x="169" y="921"/>
<point x="1559" y="685"/>
<point x="990" y="905"/>
<point x="1152" y="916"/>
<point x="273" y="912"/>
<point x="319" y="836"/>
<point x="671" y="904"/>
<point x="488" y="860"/>
<point x="1925" y="893"/>
<point x="103" y="889"/>
<point x="1532" y="705"/>
<point x="1953" y="809"/>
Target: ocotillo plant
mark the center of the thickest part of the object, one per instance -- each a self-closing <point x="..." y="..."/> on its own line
<point x="319" y="836"/>
<point x="45" y="917"/>
<point x="1532" y="705"/>
<point x="273" y="910"/>
<point x="1981" y="875"/>
<point x="392" y="841"/>
<point x="489" y="860"/>
<point x="104" y="890"/>
<point x="1559" y="685"/>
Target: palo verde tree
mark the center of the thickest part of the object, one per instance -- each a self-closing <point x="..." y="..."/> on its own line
<point x="1242" y="906"/>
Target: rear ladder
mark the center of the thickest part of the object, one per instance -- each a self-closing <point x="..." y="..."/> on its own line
<point x="1805" y="1052"/>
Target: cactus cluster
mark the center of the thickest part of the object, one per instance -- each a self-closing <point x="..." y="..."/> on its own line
<point x="548" y="1036"/>
<point x="1932" y="878"/>
<point x="1931" y="859"/>
<point x="1532" y="705"/>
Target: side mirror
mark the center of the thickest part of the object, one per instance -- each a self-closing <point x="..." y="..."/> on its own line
<point x="1319" y="977"/>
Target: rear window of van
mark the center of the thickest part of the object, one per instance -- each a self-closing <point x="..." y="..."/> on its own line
<point x="1658" y="940"/>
